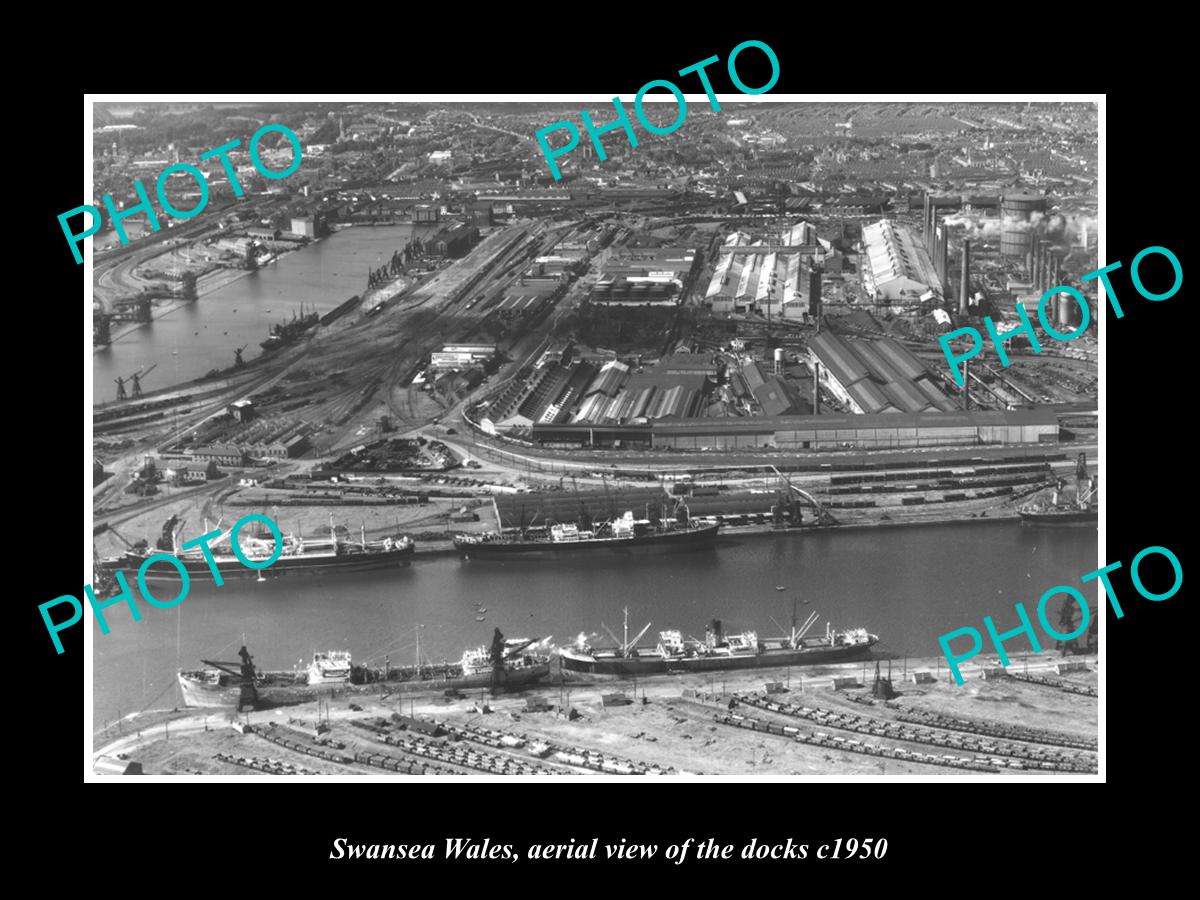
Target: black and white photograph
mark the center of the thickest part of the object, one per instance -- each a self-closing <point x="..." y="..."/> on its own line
<point x="747" y="435"/>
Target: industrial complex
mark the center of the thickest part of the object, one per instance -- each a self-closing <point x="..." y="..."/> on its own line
<point x="427" y="339"/>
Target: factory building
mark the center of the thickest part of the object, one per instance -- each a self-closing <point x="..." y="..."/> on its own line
<point x="800" y="234"/>
<point x="459" y="356"/>
<point x="768" y="283"/>
<point x="875" y="376"/>
<point x="424" y="213"/>
<point x="646" y="290"/>
<point x="644" y="276"/>
<point x="722" y="289"/>
<point x="582" y="392"/>
<point x="453" y="241"/>
<point x="895" y="268"/>
<point x="520" y="306"/>
<point x="931" y="429"/>
<point x="771" y="392"/>
<point x="305" y="226"/>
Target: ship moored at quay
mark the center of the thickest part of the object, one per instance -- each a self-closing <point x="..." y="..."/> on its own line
<point x="505" y="664"/>
<point x="1082" y="510"/>
<point x="718" y="651"/>
<point x="297" y="556"/>
<point x="622" y="534"/>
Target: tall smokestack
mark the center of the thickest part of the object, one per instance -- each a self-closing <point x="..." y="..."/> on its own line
<point x="1046" y="255"/>
<point x="943" y="260"/>
<point x="814" y="293"/>
<point x="925" y="223"/>
<point x="816" y="389"/>
<point x="966" y="384"/>
<point x="1037" y="264"/>
<point x="964" y="291"/>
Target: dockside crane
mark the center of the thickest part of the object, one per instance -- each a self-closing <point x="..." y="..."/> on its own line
<point x="238" y="362"/>
<point x="136" y="379"/>
<point x="245" y="672"/>
<point x="824" y="516"/>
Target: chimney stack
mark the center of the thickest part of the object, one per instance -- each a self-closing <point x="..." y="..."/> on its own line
<point x="966" y="384"/>
<point x="943" y="257"/>
<point x="816" y="389"/>
<point x="814" y="294"/>
<point x="964" y="292"/>
<point x="925" y="223"/>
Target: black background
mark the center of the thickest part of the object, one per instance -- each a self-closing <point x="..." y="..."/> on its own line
<point x="963" y="837"/>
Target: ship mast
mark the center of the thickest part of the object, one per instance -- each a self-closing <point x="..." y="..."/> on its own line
<point x="625" y="633"/>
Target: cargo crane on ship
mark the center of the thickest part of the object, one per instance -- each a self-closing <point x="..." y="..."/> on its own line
<point x="246" y="673"/>
<point x="625" y="646"/>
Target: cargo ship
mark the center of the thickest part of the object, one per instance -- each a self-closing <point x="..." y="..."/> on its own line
<point x="298" y="556"/>
<point x="718" y="651"/>
<point x="623" y="534"/>
<point x="286" y="333"/>
<point x="1081" y="511"/>
<point x="505" y="664"/>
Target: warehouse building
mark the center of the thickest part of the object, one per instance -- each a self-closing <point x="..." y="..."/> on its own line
<point x="459" y="356"/>
<point x="875" y="376"/>
<point x="895" y="266"/>
<point x="1036" y="425"/>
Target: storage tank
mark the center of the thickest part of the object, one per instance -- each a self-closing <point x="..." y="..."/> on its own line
<point x="1015" y="211"/>
<point x="778" y="360"/>
<point x="1068" y="315"/>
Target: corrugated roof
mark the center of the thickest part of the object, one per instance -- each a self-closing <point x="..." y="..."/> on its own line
<point x="833" y="353"/>
<point x="1041" y="415"/>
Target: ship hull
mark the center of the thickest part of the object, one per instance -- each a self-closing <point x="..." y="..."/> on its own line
<point x="627" y="667"/>
<point x="692" y="539"/>
<point x="1071" y="517"/>
<point x="200" y="695"/>
<point x="580" y="664"/>
<point x="770" y="659"/>
<point x="198" y="570"/>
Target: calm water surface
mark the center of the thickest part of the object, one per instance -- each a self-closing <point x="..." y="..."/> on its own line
<point x="189" y="341"/>
<point x="908" y="585"/>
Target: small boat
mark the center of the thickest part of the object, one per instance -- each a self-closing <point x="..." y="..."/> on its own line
<point x="780" y="587"/>
<point x="481" y="618"/>
<point x="481" y="609"/>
